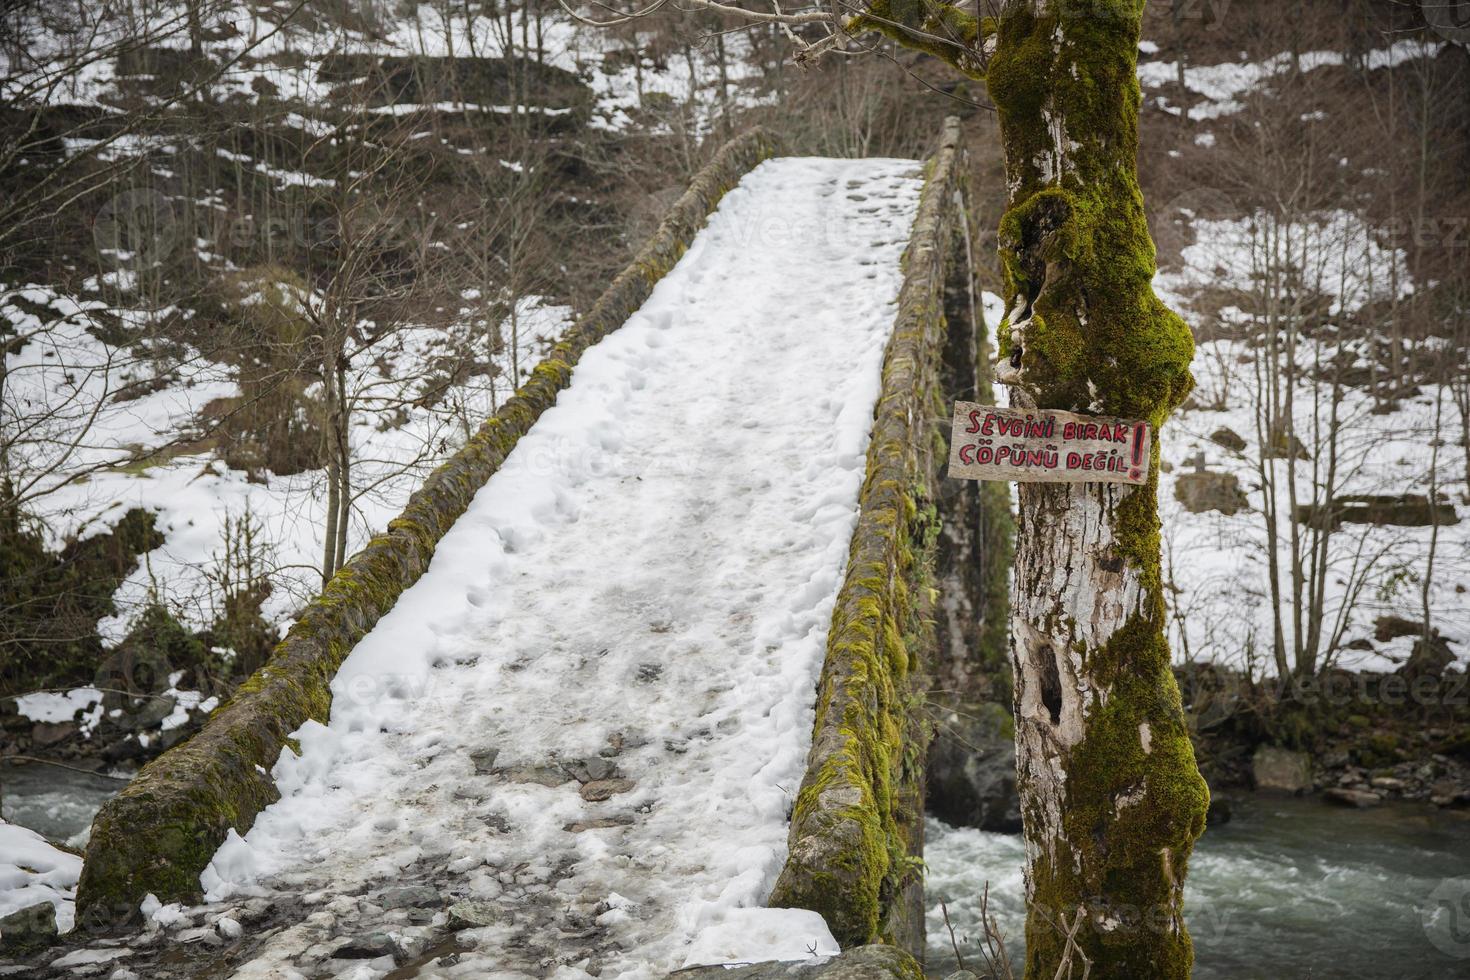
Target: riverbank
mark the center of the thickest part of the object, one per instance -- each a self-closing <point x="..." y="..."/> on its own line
<point x="1354" y="738"/>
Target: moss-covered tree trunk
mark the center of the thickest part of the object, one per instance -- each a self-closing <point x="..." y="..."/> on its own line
<point x="1110" y="793"/>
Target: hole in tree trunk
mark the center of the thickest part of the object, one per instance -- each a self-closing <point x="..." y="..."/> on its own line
<point x="1051" y="683"/>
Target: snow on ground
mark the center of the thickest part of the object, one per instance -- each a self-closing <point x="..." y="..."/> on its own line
<point x="1219" y="602"/>
<point x="646" y="585"/>
<point x="57" y="706"/>
<point x="1219" y="563"/>
<point x="66" y="381"/>
<point x="1223" y="86"/>
<point x="91" y="385"/>
<point x="33" y="871"/>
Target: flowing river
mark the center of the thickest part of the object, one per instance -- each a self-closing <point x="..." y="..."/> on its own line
<point x="1288" y="888"/>
<point x="56" y="803"/>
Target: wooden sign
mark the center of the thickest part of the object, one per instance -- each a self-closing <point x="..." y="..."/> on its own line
<point x="1038" y="446"/>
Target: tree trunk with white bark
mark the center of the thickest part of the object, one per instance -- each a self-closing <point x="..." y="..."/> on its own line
<point x="1110" y="793"/>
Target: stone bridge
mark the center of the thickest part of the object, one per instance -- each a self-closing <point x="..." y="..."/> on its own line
<point x="641" y="677"/>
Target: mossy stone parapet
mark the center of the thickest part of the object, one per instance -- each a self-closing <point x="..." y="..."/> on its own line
<point x="160" y="832"/>
<point x="856" y="835"/>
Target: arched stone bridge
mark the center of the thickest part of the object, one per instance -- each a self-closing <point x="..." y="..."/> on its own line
<point x="637" y="680"/>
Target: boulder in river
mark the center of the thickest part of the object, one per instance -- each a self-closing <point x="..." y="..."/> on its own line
<point x="1349" y="796"/>
<point x="971" y="769"/>
<point x="1281" y="770"/>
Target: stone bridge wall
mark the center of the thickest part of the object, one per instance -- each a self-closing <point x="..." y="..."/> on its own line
<point x="856" y="836"/>
<point x="163" y="829"/>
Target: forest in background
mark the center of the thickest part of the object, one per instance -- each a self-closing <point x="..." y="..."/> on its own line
<point x="264" y="264"/>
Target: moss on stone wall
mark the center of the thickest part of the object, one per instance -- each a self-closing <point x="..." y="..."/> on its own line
<point x="857" y="828"/>
<point x="160" y="832"/>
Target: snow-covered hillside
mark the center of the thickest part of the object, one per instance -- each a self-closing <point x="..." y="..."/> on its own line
<point x="104" y="423"/>
<point x="1240" y="270"/>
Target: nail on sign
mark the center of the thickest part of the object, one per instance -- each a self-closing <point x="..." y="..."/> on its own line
<point x="1037" y="446"/>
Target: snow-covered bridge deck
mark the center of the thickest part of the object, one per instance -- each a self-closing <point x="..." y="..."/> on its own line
<point x="592" y="712"/>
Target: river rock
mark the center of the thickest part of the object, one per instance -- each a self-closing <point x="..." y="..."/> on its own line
<point x="31" y="928"/>
<point x="368" y="947"/>
<point x="598" y="823"/>
<point x="474" y="915"/>
<point x="971" y="769"/>
<point x="45" y="733"/>
<point x="859" y="963"/>
<point x="540" y="775"/>
<point x="1281" y="770"/>
<point x="124" y="749"/>
<point x="1352" y="797"/>
<point x="592" y="770"/>
<point x="1448" y="792"/>
<point x="484" y="759"/>
<point x="1206" y="490"/>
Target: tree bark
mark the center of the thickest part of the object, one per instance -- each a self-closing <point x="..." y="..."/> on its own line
<point x="1110" y="793"/>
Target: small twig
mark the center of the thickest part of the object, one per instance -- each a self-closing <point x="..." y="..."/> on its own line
<point x="62" y="765"/>
<point x="953" y="943"/>
<point x="997" y="960"/>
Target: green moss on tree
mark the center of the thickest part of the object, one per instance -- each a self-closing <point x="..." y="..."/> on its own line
<point x="1074" y="244"/>
<point x="948" y="31"/>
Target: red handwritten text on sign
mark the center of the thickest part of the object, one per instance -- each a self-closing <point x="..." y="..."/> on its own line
<point x="993" y="443"/>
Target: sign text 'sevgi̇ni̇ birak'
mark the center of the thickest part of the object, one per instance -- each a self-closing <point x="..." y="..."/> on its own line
<point x="1038" y="446"/>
